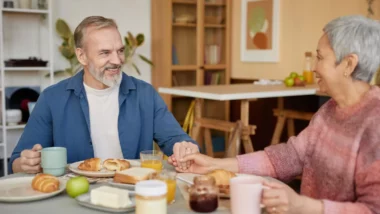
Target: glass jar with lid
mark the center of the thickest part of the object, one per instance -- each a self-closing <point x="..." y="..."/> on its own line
<point x="204" y="194"/>
<point x="151" y="197"/>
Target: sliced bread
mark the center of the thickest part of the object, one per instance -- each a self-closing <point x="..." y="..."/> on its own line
<point x="133" y="175"/>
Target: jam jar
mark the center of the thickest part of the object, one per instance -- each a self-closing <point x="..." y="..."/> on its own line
<point x="204" y="194"/>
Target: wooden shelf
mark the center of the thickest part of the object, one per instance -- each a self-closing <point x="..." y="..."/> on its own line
<point x="215" y="4"/>
<point x="13" y="127"/>
<point x="215" y="67"/>
<point x="184" y="25"/>
<point x="184" y="67"/>
<point x="184" y="2"/>
<point x="26" y="69"/>
<point x="215" y="26"/>
<point x="17" y="10"/>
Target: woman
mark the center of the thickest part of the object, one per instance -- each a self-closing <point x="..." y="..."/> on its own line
<point x="338" y="154"/>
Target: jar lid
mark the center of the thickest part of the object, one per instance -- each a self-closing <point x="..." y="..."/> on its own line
<point x="151" y="188"/>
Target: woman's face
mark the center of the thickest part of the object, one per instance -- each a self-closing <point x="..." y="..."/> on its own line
<point x="328" y="74"/>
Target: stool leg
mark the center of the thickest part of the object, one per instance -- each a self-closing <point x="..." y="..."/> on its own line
<point x="278" y="130"/>
<point x="291" y="131"/>
<point x="208" y="141"/>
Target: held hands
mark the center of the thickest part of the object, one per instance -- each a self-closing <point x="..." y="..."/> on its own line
<point x="281" y="199"/>
<point x="180" y="150"/>
<point x="200" y="164"/>
<point x="30" y="160"/>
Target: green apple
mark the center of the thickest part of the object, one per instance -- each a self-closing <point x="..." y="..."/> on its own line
<point x="302" y="78"/>
<point x="289" y="82"/>
<point x="293" y="75"/>
<point x="77" y="186"/>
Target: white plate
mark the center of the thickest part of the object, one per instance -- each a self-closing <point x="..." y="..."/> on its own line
<point x="121" y="185"/>
<point x="103" y="173"/>
<point x="85" y="200"/>
<point x="20" y="190"/>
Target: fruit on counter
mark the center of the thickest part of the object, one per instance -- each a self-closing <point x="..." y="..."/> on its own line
<point x="77" y="186"/>
<point x="294" y="79"/>
<point x="289" y="81"/>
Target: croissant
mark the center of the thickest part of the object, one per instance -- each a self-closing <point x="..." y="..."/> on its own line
<point x="116" y="164"/>
<point x="222" y="179"/>
<point x="45" y="183"/>
<point x="92" y="164"/>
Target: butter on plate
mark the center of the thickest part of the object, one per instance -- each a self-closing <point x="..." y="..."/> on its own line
<point x="110" y="197"/>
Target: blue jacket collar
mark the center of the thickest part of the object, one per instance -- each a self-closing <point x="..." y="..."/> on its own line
<point x="76" y="83"/>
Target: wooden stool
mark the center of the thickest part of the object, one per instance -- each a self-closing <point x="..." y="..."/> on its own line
<point x="288" y="116"/>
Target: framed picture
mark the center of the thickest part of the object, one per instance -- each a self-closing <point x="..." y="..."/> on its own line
<point x="260" y="30"/>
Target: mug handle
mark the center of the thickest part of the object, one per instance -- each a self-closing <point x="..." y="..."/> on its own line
<point x="262" y="205"/>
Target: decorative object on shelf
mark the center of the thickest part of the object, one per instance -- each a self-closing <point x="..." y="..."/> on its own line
<point x="8" y="4"/>
<point x="13" y="117"/>
<point x="30" y="62"/>
<point x="31" y="106"/>
<point x="42" y="4"/>
<point x="212" y="54"/>
<point x="185" y="19"/>
<point x="20" y="97"/>
<point x="214" y="19"/>
<point x="67" y="48"/>
<point x="131" y="44"/>
<point x="260" y="30"/>
<point x="369" y="9"/>
<point x="24" y="4"/>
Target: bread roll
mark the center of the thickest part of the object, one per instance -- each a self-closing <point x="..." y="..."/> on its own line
<point x="116" y="164"/>
<point x="133" y="175"/>
<point x="222" y="179"/>
<point x="45" y="183"/>
<point x="92" y="164"/>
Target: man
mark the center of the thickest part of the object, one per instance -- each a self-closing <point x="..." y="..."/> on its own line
<point x="99" y="112"/>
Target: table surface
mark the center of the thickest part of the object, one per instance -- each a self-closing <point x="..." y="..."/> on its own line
<point x="239" y="91"/>
<point x="64" y="204"/>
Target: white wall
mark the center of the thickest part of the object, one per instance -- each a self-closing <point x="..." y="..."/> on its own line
<point x="130" y="15"/>
<point x="24" y="37"/>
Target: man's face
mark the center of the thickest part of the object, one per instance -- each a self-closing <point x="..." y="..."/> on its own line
<point x="104" y="54"/>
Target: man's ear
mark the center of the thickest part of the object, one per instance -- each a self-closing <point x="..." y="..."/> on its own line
<point x="351" y="61"/>
<point x="81" y="56"/>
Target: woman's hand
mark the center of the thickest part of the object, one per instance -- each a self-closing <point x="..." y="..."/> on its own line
<point x="281" y="199"/>
<point x="199" y="163"/>
<point x="181" y="149"/>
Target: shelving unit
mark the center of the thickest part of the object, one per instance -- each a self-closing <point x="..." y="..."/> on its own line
<point x="16" y="42"/>
<point x="191" y="46"/>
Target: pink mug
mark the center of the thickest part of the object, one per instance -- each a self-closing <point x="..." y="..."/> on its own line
<point x="245" y="194"/>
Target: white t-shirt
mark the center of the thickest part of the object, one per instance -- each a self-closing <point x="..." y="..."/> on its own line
<point x="104" y="114"/>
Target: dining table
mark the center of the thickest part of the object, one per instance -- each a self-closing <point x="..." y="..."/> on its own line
<point x="64" y="204"/>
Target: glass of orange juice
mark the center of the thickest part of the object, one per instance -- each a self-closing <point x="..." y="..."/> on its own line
<point x="170" y="178"/>
<point x="152" y="159"/>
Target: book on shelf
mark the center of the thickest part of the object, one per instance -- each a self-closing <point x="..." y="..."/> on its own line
<point x="213" y="78"/>
<point x="174" y="56"/>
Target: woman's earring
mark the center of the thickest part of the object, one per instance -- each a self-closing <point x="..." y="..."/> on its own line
<point x="345" y="74"/>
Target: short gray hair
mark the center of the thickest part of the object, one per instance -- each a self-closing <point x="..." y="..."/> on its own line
<point x="356" y="35"/>
<point x="98" y="22"/>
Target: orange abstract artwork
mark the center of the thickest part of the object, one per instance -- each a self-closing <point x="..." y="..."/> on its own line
<point x="259" y="25"/>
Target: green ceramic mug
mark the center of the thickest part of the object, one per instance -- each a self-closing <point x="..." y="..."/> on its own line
<point x="54" y="160"/>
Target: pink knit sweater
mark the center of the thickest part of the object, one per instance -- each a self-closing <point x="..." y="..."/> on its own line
<point x="338" y="156"/>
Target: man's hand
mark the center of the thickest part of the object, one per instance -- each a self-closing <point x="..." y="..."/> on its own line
<point x="180" y="150"/>
<point x="30" y="160"/>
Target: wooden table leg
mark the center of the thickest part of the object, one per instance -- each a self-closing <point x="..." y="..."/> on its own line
<point x="196" y="132"/>
<point x="244" y="117"/>
<point x="280" y="122"/>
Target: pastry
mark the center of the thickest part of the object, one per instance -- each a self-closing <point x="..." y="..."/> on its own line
<point x="92" y="164"/>
<point x="222" y="179"/>
<point x="116" y="164"/>
<point x="45" y="183"/>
